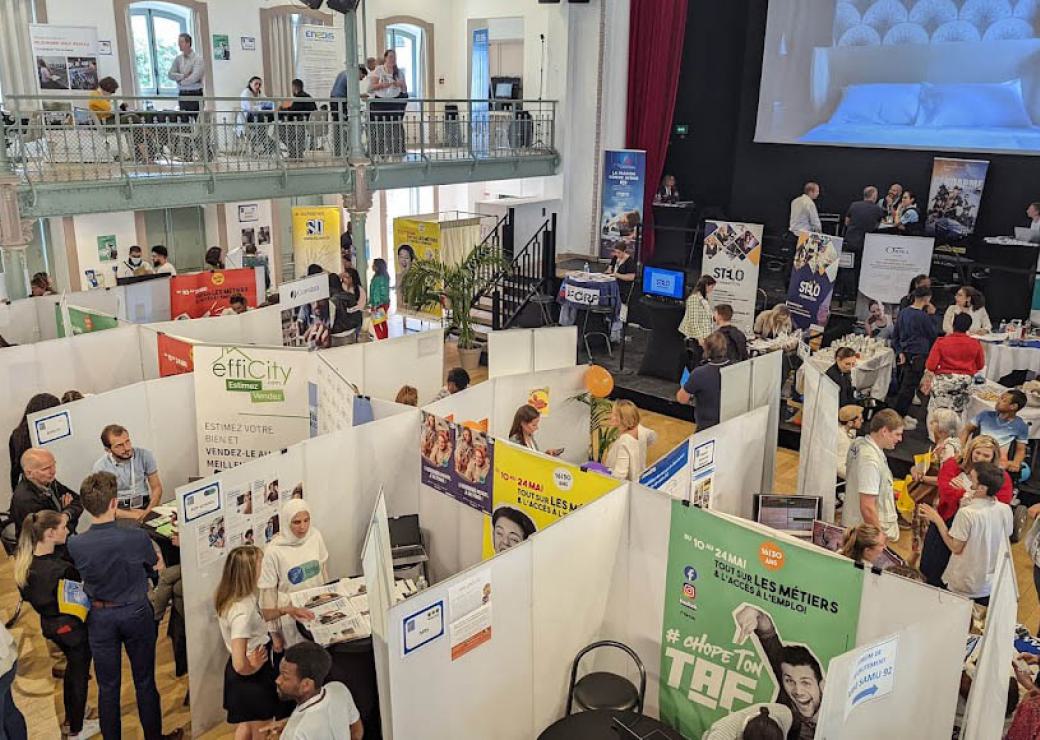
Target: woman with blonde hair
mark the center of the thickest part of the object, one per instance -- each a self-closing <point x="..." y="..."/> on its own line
<point x="250" y="696"/>
<point x="626" y="458"/>
<point x="774" y="322"/>
<point x="41" y="566"/>
<point x="863" y="543"/>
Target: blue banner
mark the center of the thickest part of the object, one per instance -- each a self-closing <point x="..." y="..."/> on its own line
<point x="812" y="280"/>
<point x="621" y="204"/>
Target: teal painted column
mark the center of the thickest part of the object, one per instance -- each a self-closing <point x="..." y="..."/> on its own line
<point x="358" y="202"/>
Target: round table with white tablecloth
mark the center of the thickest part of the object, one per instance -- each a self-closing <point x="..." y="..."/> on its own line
<point x="872" y="375"/>
<point x="1003" y="358"/>
<point x="984" y="398"/>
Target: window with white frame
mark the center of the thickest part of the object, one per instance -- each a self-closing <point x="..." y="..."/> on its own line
<point x="409" y="44"/>
<point x="154" y="29"/>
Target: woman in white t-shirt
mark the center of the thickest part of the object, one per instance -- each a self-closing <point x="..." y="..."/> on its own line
<point x="294" y="560"/>
<point x="250" y="696"/>
<point x="970" y="301"/>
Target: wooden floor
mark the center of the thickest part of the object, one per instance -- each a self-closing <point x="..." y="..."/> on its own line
<point x="39" y="696"/>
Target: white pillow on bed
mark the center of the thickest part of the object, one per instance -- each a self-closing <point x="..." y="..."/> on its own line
<point x="882" y="104"/>
<point x="974" y="105"/>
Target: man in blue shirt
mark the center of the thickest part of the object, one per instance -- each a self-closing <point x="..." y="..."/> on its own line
<point x="1006" y="426"/>
<point x="912" y="340"/>
<point x="138" y="487"/>
<point x="114" y="562"/>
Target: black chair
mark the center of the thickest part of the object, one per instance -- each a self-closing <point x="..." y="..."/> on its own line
<point x="604" y="314"/>
<point x="602" y="690"/>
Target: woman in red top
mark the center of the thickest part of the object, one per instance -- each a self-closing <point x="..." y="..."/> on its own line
<point x="950" y="366"/>
<point x="953" y="484"/>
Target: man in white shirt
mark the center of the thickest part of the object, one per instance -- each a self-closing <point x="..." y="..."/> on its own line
<point x="134" y="264"/>
<point x="1033" y="211"/>
<point x="974" y="539"/>
<point x="161" y="261"/>
<point x="868" y="490"/>
<point x="803" y="210"/>
<point x="187" y="71"/>
<point x="322" y="712"/>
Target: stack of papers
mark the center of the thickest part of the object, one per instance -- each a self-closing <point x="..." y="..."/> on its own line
<point x="340" y="610"/>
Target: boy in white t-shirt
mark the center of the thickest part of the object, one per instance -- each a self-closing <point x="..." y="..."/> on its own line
<point x="322" y="712"/>
<point x="974" y="539"/>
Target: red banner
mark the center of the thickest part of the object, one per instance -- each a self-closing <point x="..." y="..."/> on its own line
<point x="174" y="356"/>
<point x="202" y="294"/>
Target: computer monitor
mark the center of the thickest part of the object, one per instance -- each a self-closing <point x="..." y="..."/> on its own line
<point x="663" y="283"/>
<point x="504" y="90"/>
<point x="792" y="514"/>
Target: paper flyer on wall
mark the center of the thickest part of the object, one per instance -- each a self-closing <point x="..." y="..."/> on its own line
<point x="621" y="199"/>
<point x="732" y="252"/>
<point x="812" y="280"/>
<point x="745" y="617"/>
<point x="340" y="610"/>
<point x="334" y="399"/>
<point x="457" y="460"/>
<point x="888" y="265"/>
<point x="531" y="491"/>
<point x="212" y="541"/>
<point x="306" y="317"/>
<point x="469" y="612"/>
<point x="955" y="196"/>
<point x="249" y="402"/>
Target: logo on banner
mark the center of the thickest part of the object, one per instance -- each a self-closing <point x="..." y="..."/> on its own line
<point x="218" y="278"/>
<point x="263" y="380"/>
<point x="563" y="479"/>
<point x="315" y="227"/>
<point x="770" y="555"/>
<point x="582" y="296"/>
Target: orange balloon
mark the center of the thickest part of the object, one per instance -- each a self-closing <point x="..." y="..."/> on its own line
<point x="598" y="381"/>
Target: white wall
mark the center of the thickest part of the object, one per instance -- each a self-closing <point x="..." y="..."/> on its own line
<point x="88" y="227"/>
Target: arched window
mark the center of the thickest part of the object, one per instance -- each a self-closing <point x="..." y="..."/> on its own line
<point x="409" y="42"/>
<point x="154" y="28"/>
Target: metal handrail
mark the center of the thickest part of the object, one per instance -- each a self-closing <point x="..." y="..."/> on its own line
<point x="524" y="276"/>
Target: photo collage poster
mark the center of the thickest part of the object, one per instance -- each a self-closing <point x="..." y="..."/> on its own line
<point x="66" y="58"/>
<point x="812" y="279"/>
<point x="457" y="460"/>
<point x="732" y="252"/>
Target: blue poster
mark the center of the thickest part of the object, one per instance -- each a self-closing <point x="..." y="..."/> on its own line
<point x="812" y="280"/>
<point x="666" y="468"/>
<point x="457" y="460"/>
<point x="621" y="209"/>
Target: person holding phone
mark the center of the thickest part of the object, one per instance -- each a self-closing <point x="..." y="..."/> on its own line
<point x="525" y="424"/>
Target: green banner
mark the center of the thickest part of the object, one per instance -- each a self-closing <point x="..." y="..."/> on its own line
<point x="749" y="620"/>
<point x="83" y="322"/>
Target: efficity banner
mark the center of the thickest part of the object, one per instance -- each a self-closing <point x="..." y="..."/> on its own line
<point x="621" y="200"/>
<point x="306" y="319"/>
<point x="315" y="237"/>
<point x="82" y="320"/>
<point x="249" y="402"/>
<point x="531" y="491"/>
<point x="200" y="294"/>
<point x="175" y="355"/>
<point x="812" y="279"/>
<point x="749" y="621"/>
<point x="955" y="196"/>
<point x="732" y="253"/>
<point x="889" y="263"/>
<point x="457" y="460"/>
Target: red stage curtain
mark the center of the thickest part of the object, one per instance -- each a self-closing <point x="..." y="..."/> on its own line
<point x="655" y="48"/>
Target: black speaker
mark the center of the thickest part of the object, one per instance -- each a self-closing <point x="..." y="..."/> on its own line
<point x="343" y="6"/>
<point x="312" y="4"/>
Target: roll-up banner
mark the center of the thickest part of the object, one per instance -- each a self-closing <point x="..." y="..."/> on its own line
<point x="812" y="280"/>
<point x="319" y="56"/>
<point x="201" y="294"/>
<point x="315" y="234"/>
<point x="955" y="196"/>
<point x="65" y="58"/>
<point x="621" y="200"/>
<point x="249" y="402"/>
<point x="732" y="253"/>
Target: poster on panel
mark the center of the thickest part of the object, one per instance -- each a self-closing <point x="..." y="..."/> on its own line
<point x="82" y="320"/>
<point x="249" y="224"/>
<point x="315" y="238"/>
<point x="530" y="492"/>
<point x="249" y="402"/>
<point x="671" y="473"/>
<point x="750" y="621"/>
<point x="621" y="200"/>
<point x="65" y="57"/>
<point x="457" y="460"/>
<point x="955" y="196"/>
<point x="200" y="294"/>
<point x="422" y="235"/>
<point x="812" y="280"/>
<point x="732" y="252"/>
<point x="319" y="56"/>
<point x="889" y="264"/>
<point x="175" y="355"/>
<point x="306" y="318"/>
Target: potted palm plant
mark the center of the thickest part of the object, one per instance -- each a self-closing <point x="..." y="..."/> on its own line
<point x="430" y="282"/>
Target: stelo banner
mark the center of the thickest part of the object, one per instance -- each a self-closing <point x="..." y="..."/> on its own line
<point x="621" y="202"/>
<point x="812" y="280"/>
<point x="249" y="402"/>
<point x="200" y="294"/>
<point x="750" y="622"/>
<point x="732" y="253"/>
<point x="315" y="237"/>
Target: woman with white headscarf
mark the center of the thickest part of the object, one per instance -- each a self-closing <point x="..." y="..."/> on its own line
<point x="294" y="560"/>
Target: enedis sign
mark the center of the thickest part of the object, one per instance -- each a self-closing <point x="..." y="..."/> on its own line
<point x="264" y="380"/>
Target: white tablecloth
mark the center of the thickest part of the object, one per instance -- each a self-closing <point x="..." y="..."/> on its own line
<point x="1030" y="414"/>
<point x="873" y="375"/>
<point x="1002" y="359"/>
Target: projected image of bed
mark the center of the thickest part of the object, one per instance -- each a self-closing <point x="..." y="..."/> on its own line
<point x="911" y="74"/>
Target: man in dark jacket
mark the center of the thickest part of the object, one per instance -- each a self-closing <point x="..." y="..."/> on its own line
<point x="736" y="342"/>
<point x="39" y="490"/>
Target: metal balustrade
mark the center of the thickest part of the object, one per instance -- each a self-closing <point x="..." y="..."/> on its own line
<point x="56" y="139"/>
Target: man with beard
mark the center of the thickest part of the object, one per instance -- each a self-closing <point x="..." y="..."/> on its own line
<point x="324" y="711"/>
<point x="795" y="669"/>
<point x="139" y="489"/>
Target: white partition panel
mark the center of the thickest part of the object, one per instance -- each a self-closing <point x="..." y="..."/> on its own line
<point x="414" y="359"/>
<point x="565" y="425"/>
<point x="510" y="352"/>
<point x="388" y="450"/>
<point x="476" y="403"/>
<point x="18" y="322"/>
<point x="348" y="361"/>
<point x="735" y="399"/>
<point x="555" y="347"/>
<point x="171" y="418"/>
<point x="19" y="381"/>
<point x="818" y="457"/>
<point x="486" y="693"/>
<point x="569" y="604"/>
<point x="765" y="391"/>
<point x="145" y="302"/>
<point x="106" y="300"/>
<point x="738" y="461"/>
<point x="377" y="562"/>
<point x="262" y="326"/>
<point x="90" y="363"/>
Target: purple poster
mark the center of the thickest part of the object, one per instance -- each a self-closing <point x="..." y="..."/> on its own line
<point x="457" y="461"/>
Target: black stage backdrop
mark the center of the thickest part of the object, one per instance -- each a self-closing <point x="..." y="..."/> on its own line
<point x="719" y="164"/>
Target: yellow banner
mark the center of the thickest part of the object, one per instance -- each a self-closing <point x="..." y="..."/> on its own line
<point x="315" y="237"/>
<point x="424" y="237"/>
<point x="530" y="492"/>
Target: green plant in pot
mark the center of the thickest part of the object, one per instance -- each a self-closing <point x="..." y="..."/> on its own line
<point x="430" y="282"/>
<point x="602" y="434"/>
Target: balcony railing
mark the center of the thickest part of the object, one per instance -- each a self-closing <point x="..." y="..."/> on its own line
<point x="59" y="139"/>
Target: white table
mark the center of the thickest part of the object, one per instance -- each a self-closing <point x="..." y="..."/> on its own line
<point x="872" y="375"/>
<point x="976" y="405"/>
<point x="1002" y="358"/>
